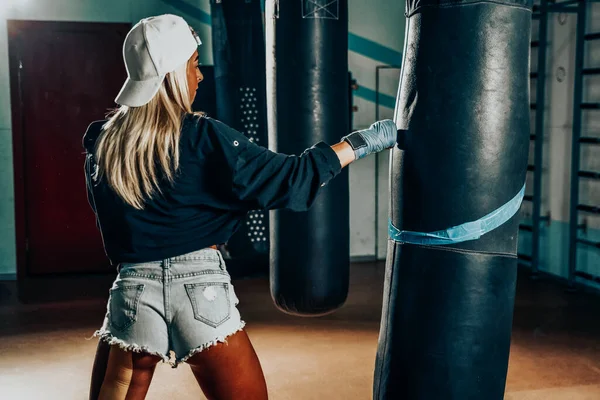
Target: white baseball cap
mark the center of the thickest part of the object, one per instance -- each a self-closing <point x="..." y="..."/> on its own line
<point x="154" y="47"/>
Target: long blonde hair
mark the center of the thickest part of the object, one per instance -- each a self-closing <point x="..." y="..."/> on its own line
<point x="140" y="145"/>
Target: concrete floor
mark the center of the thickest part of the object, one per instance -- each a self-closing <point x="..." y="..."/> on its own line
<point x="44" y="353"/>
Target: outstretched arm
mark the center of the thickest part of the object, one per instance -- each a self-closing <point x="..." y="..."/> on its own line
<point x="261" y="178"/>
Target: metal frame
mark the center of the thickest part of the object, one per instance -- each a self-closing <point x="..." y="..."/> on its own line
<point x="539" y="137"/>
<point x="577" y="140"/>
<point x="540" y="13"/>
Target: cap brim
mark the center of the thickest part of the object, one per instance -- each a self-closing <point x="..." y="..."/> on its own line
<point x="137" y="93"/>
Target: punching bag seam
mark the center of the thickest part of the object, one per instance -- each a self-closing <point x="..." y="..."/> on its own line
<point x="462" y="251"/>
<point x="467" y="3"/>
<point x="379" y="366"/>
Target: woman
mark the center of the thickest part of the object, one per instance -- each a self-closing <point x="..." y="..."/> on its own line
<point x="167" y="186"/>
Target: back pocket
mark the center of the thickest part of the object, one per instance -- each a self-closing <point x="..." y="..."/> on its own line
<point x="210" y="302"/>
<point x="124" y="301"/>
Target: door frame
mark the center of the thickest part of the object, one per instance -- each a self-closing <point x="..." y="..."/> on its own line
<point x="14" y="28"/>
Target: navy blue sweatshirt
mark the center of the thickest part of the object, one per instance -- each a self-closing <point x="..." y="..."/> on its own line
<point x="222" y="175"/>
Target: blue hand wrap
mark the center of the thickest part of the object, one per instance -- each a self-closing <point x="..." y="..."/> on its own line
<point x="378" y="137"/>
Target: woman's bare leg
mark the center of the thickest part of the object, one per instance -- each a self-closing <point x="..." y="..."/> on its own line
<point x="99" y="369"/>
<point x="121" y="375"/>
<point x="230" y="371"/>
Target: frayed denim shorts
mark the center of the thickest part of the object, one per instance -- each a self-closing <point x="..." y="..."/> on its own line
<point x="173" y="308"/>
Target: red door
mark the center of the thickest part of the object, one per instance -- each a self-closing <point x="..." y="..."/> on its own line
<point x="63" y="77"/>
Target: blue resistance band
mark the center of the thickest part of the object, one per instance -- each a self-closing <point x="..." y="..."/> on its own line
<point x="468" y="231"/>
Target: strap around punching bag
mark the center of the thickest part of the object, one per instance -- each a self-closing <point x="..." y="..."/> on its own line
<point x="467" y="231"/>
<point x="461" y="233"/>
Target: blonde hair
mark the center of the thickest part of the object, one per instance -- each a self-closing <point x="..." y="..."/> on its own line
<point x="139" y="146"/>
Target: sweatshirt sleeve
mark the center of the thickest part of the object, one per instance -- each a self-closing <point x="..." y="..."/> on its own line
<point x="262" y="179"/>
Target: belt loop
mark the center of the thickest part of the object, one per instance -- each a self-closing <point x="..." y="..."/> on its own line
<point x="222" y="263"/>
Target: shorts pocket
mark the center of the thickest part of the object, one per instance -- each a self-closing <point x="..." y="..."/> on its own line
<point x="210" y="302"/>
<point x="124" y="301"/>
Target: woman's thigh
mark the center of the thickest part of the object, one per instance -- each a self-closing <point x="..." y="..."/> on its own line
<point x="120" y="374"/>
<point x="230" y="370"/>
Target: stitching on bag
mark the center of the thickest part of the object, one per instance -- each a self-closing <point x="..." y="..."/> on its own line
<point x="462" y="3"/>
<point x="462" y="251"/>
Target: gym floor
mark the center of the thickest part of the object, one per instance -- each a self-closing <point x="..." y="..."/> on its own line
<point x="44" y="353"/>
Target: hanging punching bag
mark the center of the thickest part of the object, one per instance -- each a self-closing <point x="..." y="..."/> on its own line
<point x="456" y="186"/>
<point x="239" y="58"/>
<point x="307" y="92"/>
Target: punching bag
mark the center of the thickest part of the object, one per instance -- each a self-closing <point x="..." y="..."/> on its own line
<point x="307" y="92"/>
<point x="240" y="86"/>
<point x="456" y="184"/>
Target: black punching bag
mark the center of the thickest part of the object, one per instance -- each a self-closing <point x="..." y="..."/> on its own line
<point x="307" y="92"/>
<point x="463" y="102"/>
<point x="240" y="83"/>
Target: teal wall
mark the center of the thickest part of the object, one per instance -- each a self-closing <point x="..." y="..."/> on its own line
<point x="554" y="250"/>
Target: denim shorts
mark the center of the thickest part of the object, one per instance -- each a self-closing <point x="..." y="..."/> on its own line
<point x="173" y="308"/>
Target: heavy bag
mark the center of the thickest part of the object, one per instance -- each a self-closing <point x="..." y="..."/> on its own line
<point x="463" y="112"/>
<point x="240" y="84"/>
<point x="307" y="93"/>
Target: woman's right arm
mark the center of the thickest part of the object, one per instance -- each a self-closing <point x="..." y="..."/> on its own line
<point x="379" y="136"/>
<point x="262" y="179"/>
<point x="345" y="153"/>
